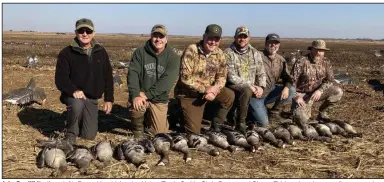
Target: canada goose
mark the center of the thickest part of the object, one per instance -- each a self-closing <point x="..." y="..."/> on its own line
<point x="253" y="139"/>
<point x="25" y="96"/>
<point x="268" y="136"/>
<point x="301" y="115"/>
<point x="342" y="78"/>
<point x="322" y="129"/>
<point x="348" y="128"/>
<point x="238" y="139"/>
<point x="283" y="134"/>
<point x="379" y="53"/>
<point x="82" y="157"/>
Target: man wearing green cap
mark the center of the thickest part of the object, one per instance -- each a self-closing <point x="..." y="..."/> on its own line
<point x="203" y="74"/>
<point x="246" y="75"/>
<point x="313" y="79"/>
<point x="153" y="71"/>
<point x="83" y="75"/>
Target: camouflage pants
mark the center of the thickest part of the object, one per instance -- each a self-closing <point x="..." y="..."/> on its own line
<point x="330" y="96"/>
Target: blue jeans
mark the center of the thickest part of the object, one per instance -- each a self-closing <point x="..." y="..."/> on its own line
<point x="258" y="105"/>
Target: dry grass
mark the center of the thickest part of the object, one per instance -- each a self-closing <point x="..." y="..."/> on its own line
<point x="343" y="158"/>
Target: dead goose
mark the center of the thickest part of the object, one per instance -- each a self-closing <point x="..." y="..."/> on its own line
<point x="25" y="96"/>
<point x="348" y="128"/>
<point x="301" y="115"/>
<point x="283" y="134"/>
<point x="200" y="142"/>
<point x="219" y="140"/>
<point x="180" y="144"/>
<point x="132" y="152"/>
<point x="61" y="144"/>
<point x="82" y="157"/>
<point x="268" y="136"/>
<point x="311" y="133"/>
<point x="103" y="152"/>
<point x="147" y="144"/>
<point x="296" y="132"/>
<point x="54" y="158"/>
<point x="163" y="143"/>
<point x="322" y="129"/>
<point x="238" y="139"/>
<point x="253" y="139"/>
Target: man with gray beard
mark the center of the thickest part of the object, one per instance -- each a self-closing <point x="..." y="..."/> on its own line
<point x="246" y="76"/>
<point x="312" y="77"/>
<point x="275" y="68"/>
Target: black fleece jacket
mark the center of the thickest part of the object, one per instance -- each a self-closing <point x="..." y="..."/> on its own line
<point x="92" y="74"/>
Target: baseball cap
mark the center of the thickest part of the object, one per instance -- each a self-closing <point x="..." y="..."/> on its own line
<point x="84" y="22"/>
<point x="213" y="30"/>
<point x="160" y="29"/>
<point x="272" y="37"/>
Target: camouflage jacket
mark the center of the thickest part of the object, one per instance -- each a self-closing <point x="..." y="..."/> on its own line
<point x="199" y="71"/>
<point x="309" y="76"/>
<point x="275" y="69"/>
<point x="246" y="68"/>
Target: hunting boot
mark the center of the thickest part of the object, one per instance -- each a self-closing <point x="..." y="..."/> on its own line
<point x="274" y="113"/>
<point x="324" y="110"/>
<point x="138" y="127"/>
<point x="219" y="119"/>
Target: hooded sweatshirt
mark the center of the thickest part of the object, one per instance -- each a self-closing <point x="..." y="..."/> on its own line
<point x="153" y="74"/>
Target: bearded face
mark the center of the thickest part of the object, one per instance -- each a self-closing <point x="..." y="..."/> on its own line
<point x="272" y="47"/>
<point x="317" y="54"/>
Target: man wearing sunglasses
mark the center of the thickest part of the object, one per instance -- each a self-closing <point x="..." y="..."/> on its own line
<point x="275" y="68"/>
<point x="203" y="75"/>
<point x="246" y="75"/>
<point x="153" y="71"/>
<point x="83" y="75"/>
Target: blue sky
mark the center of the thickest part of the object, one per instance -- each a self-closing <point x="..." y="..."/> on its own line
<point x="288" y="20"/>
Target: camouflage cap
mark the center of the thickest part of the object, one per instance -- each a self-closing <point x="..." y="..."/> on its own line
<point x="160" y="29"/>
<point x="84" y="22"/>
<point x="242" y="30"/>
<point x="272" y="37"/>
<point x="213" y="30"/>
<point x="318" y="44"/>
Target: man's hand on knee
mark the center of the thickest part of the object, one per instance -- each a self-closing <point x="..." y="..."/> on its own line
<point x="139" y="103"/>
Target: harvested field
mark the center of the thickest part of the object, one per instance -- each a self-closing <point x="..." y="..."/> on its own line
<point x="342" y="158"/>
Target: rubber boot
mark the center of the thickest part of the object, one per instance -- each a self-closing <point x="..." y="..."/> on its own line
<point x="138" y="127"/>
<point x="219" y="119"/>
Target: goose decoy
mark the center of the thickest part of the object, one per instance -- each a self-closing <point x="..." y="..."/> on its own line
<point x="284" y="135"/>
<point x="31" y="61"/>
<point x="82" y="157"/>
<point x="26" y="96"/>
<point x="132" y="152"/>
<point x="163" y="143"/>
<point x="117" y="81"/>
<point x="54" y="158"/>
<point x="180" y="144"/>
<point x="268" y="136"/>
<point x="103" y="152"/>
<point x="200" y="142"/>
<point x="219" y="139"/>
<point x="379" y="53"/>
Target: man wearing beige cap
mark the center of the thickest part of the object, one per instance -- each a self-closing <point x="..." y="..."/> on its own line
<point x="203" y="75"/>
<point x="83" y="75"/>
<point x="246" y="75"/>
<point x="313" y="79"/>
<point x="153" y="71"/>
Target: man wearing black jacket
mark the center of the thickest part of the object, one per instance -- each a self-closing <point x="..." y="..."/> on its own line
<point x="153" y="72"/>
<point x="83" y="74"/>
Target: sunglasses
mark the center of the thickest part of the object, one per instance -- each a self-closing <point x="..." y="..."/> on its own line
<point x="81" y="31"/>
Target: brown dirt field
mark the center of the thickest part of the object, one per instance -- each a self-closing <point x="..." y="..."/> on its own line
<point x="342" y="158"/>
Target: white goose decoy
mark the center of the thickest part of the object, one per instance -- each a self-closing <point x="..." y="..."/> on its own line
<point x="27" y="95"/>
<point x="379" y="53"/>
<point x="31" y="61"/>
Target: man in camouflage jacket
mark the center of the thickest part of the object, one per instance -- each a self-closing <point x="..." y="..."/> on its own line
<point x="275" y="69"/>
<point x="313" y="79"/>
<point x="246" y="75"/>
<point x="203" y="74"/>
